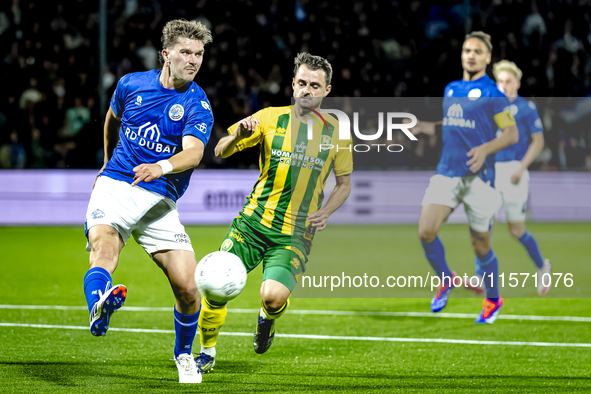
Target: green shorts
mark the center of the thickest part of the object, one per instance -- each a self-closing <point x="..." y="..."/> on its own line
<point x="284" y="257"/>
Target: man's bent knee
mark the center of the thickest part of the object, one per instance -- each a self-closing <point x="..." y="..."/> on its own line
<point x="187" y="297"/>
<point x="105" y="241"/>
<point x="104" y="253"/>
<point x="481" y="247"/>
<point x="432" y="218"/>
<point x="274" y="303"/>
<point x="480" y="242"/>
<point x="274" y="296"/>
<point x="427" y="235"/>
<point x="106" y="245"/>
<point x="481" y="250"/>
<point x="516" y="230"/>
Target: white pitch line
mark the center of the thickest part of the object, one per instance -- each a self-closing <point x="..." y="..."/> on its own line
<point x="324" y="312"/>
<point x="326" y="337"/>
<point x="443" y="315"/>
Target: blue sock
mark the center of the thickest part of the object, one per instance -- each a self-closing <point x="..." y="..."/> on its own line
<point x="477" y="268"/>
<point x="96" y="282"/>
<point x="435" y="253"/>
<point x="490" y="271"/>
<point x="185" y="327"/>
<point x="530" y="244"/>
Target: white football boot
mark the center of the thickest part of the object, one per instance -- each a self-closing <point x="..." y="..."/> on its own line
<point x="188" y="371"/>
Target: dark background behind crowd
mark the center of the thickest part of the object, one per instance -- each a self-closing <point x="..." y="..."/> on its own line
<point x="49" y="112"/>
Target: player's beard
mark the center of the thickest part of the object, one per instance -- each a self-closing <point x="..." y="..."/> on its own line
<point x="472" y="72"/>
<point x="309" y="101"/>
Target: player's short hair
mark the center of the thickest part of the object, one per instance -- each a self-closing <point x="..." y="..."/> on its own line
<point x="313" y="63"/>
<point x="506" y="65"/>
<point x="183" y="28"/>
<point x="482" y="36"/>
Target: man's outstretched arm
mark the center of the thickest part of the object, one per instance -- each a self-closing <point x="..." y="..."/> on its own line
<point x="227" y="146"/>
<point x="424" y="127"/>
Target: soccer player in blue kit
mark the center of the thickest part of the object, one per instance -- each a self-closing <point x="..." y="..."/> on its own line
<point x="155" y="132"/>
<point x="473" y="108"/>
<point x="511" y="163"/>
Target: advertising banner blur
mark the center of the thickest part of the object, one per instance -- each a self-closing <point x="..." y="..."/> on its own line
<point x="33" y="197"/>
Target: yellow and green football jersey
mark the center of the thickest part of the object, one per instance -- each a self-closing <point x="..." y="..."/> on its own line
<point x="294" y="169"/>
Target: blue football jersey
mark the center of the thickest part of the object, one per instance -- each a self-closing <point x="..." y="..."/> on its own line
<point x="469" y="108"/>
<point x="154" y="121"/>
<point x="528" y="122"/>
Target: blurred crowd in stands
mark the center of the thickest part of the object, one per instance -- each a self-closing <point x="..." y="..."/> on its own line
<point x="50" y="116"/>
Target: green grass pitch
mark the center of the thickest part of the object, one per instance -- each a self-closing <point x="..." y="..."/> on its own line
<point x="46" y="265"/>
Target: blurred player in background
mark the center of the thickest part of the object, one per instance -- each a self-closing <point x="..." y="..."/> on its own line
<point x="277" y="224"/>
<point x="472" y="107"/>
<point x="155" y="132"/>
<point x="511" y="163"/>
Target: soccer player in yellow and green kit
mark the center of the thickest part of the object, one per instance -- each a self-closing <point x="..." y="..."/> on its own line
<point x="277" y="224"/>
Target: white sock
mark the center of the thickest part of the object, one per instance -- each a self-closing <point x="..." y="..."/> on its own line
<point x="210" y="351"/>
<point x="263" y="314"/>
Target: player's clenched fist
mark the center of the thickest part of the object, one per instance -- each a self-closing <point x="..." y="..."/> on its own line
<point x="246" y="127"/>
<point x="146" y="173"/>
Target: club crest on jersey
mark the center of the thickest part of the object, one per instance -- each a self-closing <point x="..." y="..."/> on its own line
<point x="512" y="109"/>
<point x="176" y="112"/>
<point x="300" y="148"/>
<point x="474" y="94"/>
<point x="97" y="214"/>
<point x="326" y="140"/>
<point x="226" y="245"/>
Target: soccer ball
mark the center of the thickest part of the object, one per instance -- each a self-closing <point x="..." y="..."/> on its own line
<point x="220" y="276"/>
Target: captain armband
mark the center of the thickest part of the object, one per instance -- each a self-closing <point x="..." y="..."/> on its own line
<point x="504" y="119"/>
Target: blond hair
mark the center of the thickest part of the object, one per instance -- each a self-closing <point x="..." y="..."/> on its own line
<point x="506" y="65"/>
<point x="313" y="63"/>
<point x="482" y="36"/>
<point x="183" y="28"/>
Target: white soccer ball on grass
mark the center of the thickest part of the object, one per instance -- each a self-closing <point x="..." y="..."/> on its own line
<point x="220" y="276"/>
